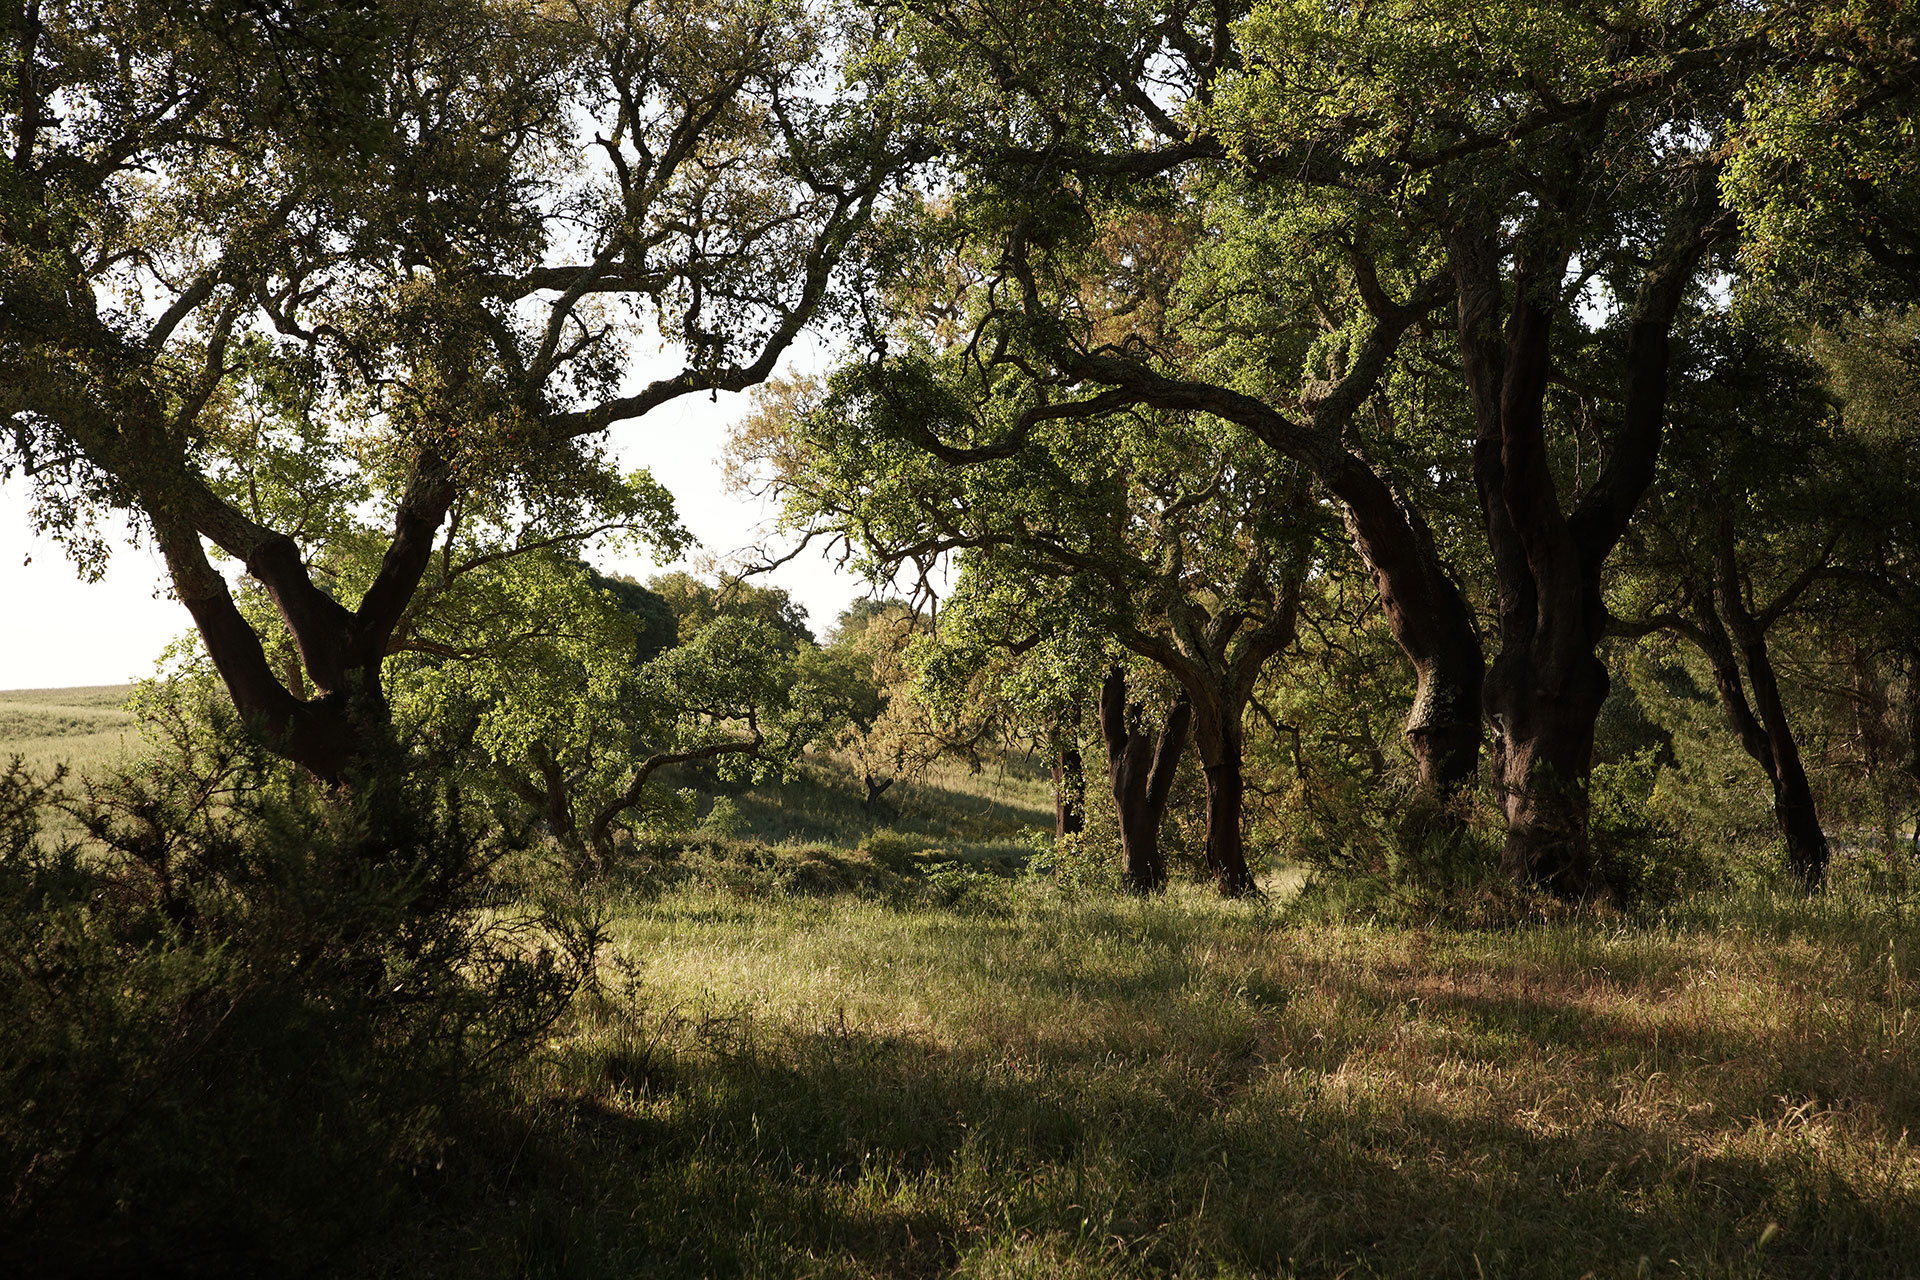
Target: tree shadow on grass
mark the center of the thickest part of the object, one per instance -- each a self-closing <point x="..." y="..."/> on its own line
<point x="787" y="1150"/>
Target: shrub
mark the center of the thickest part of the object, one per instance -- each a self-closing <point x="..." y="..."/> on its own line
<point x="1076" y="862"/>
<point x="245" y="1006"/>
<point x="1638" y="849"/>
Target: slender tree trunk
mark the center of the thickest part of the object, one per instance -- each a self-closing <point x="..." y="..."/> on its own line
<point x="1141" y="772"/>
<point x="1762" y="725"/>
<point x="1794" y="808"/>
<point x="1910" y="765"/>
<point x="1799" y="819"/>
<point x="1793" y="803"/>
<point x="1069" y="779"/>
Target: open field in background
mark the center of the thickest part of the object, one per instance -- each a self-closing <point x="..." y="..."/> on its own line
<point x="1026" y="1082"/>
<point x="86" y="728"/>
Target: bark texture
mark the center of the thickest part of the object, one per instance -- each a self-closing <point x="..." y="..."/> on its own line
<point x="1545" y="686"/>
<point x="1140" y="768"/>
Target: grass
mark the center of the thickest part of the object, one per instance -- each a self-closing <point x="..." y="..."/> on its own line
<point x="842" y="1043"/>
<point x="948" y="803"/>
<point x="1032" y="1083"/>
<point x="87" y="729"/>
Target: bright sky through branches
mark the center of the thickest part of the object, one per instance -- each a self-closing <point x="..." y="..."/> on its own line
<point x="61" y="631"/>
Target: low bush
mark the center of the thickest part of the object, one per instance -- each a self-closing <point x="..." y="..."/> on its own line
<point x="244" y="1007"/>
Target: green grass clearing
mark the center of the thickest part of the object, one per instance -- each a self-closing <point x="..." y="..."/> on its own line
<point x="1031" y="1083"/>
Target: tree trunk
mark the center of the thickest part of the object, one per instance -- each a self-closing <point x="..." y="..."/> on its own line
<point x="556" y="809"/>
<point x="1793" y="804"/>
<point x="1740" y="641"/>
<point x="1222" y="744"/>
<point x="1069" y="788"/>
<point x="344" y="732"/>
<point x="1544" y="690"/>
<point x="1141" y="772"/>
<point x="1226" y="854"/>
<point x="1542" y="761"/>
<point x="1429" y="616"/>
<point x="1434" y="627"/>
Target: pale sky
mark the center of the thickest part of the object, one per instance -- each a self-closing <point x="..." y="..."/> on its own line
<point x="60" y="631"/>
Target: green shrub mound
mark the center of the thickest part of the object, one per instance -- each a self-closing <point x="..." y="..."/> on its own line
<point x="246" y="1009"/>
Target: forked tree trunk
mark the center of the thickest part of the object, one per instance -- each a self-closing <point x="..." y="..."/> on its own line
<point x="1762" y="726"/>
<point x="1793" y="804"/>
<point x="1141" y="772"/>
<point x="1768" y="739"/>
<point x="343" y="732"/>
<point x="1544" y="690"/>
<point x="1429" y="616"/>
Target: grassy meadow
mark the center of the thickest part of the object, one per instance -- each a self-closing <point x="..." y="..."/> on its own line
<point x="86" y="728"/>
<point x="827" y="1042"/>
<point x="896" y="1060"/>
<point x="1018" y="1081"/>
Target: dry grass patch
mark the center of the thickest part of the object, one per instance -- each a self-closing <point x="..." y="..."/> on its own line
<point x="88" y="729"/>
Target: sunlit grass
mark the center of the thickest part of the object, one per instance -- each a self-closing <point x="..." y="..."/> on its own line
<point x="1041" y="1084"/>
<point x="852" y="1043"/>
<point x="87" y="729"/>
<point x="947" y="802"/>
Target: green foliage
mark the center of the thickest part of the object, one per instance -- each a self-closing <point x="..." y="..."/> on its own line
<point x="1827" y="178"/>
<point x="722" y="820"/>
<point x="1078" y="862"/>
<point x="1642" y="853"/>
<point x="565" y="691"/>
<point x="247" y="1008"/>
<point x="1706" y="788"/>
<point x="698" y="604"/>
